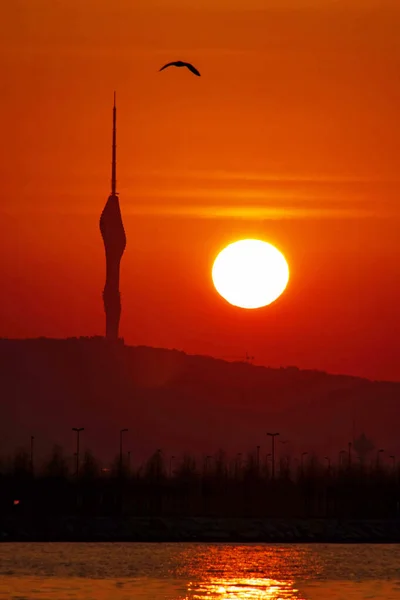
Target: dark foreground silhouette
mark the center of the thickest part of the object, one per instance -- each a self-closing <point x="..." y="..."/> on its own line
<point x="171" y="403"/>
<point x="198" y="529"/>
<point x="210" y="500"/>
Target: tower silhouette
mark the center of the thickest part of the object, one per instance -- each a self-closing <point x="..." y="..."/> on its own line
<point x="113" y="233"/>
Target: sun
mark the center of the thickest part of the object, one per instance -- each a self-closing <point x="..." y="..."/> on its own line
<point x="250" y="273"/>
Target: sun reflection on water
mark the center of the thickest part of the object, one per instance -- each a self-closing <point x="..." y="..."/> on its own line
<point x="243" y="589"/>
<point x="198" y="572"/>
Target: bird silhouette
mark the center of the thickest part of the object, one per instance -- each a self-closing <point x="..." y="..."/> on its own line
<point x="180" y="63"/>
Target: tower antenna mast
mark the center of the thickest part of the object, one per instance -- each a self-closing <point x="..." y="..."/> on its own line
<point x="114" y="152"/>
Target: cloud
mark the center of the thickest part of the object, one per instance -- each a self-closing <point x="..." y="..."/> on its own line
<point x="251" y="213"/>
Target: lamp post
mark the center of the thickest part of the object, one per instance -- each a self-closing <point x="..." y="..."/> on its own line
<point x="170" y="464"/>
<point x="120" y="448"/>
<point x="329" y="462"/>
<point x="378" y="453"/>
<point x="273" y="436"/>
<point x="258" y="460"/>
<point x="78" y="430"/>
<point x="393" y="459"/>
<point x="349" y="461"/>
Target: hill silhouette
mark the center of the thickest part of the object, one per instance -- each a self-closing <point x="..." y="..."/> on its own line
<point x="178" y="402"/>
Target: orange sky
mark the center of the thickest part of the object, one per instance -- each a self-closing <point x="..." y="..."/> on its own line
<point x="291" y="134"/>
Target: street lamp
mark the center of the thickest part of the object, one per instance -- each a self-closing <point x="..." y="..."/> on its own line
<point x="393" y="458"/>
<point x="258" y="459"/>
<point x="120" y="448"/>
<point x="170" y="465"/>
<point x="329" y="462"/>
<point x="273" y="436"/>
<point x="78" y="430"/>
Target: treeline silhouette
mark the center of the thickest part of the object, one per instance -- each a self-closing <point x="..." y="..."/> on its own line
<point x="218" y="486"/>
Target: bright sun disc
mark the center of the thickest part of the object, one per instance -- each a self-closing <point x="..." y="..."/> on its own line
<point x="250" y="273"/>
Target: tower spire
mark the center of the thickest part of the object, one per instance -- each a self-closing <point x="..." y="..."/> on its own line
<point x="114" y="152"/>
<point x="113" y="234"/>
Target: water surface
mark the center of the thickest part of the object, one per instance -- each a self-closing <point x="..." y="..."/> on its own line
<point x="199" y="572"/>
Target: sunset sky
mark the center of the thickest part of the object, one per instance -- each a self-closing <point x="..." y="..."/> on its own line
<point x="291" y="135"/>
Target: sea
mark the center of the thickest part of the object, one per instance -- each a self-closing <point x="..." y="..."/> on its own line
<point x="160" y="571"/>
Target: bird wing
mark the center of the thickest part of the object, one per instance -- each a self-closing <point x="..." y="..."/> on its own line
<point x="192" y="68"/>
<point x="170" y="64"/>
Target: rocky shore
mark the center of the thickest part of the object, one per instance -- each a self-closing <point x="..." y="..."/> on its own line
<point x="196" y="529"/>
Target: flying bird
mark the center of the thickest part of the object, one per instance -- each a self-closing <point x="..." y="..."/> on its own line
<point x="180" y="63"/>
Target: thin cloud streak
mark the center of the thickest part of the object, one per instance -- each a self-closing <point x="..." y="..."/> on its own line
<point x="268" y="195"/>
<point x="257" y="176"/>
<point x="247" y="212"/>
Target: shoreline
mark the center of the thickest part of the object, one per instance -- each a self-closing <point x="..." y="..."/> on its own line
<point x="199" y="530"/>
